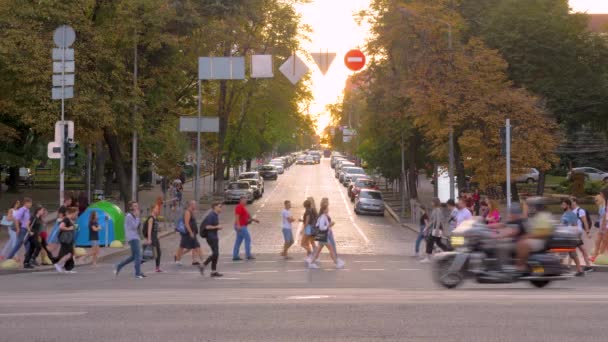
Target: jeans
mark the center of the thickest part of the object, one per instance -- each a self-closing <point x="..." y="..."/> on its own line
<point x="10" y="244"/>
<point x="157" y="250"/>
<point x="20" y="240"/>
<point x="332" y="241"/>
<point x="135" y="257"/>
<point x="419" y="239"/>
<point x="34" y="249"/>
<point x="214" y="244"/>
<point x="242" y="234"/>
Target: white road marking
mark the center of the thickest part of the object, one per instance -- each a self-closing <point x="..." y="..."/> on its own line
<point x="350" y="216"/>
<point x="362" y="261"/>
<point x="226" y="278"/>
<point x="264" y="261"/>
<point x="309" y="297"/>
<point x="372" y="269"/>
<point x="51" y="313"/>
<point x="299" y="270"/>
<point x="266" y="271"/>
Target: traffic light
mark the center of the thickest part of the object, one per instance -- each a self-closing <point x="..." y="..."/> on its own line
<point x="70" y="153"/>
<point x="503" y="141"/>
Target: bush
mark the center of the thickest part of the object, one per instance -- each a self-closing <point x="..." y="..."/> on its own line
<point x="593" y="188"/>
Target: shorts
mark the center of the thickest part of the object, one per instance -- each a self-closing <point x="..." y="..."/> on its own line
<point x="308" y="230"/>
<point x="536" y="245"/>
<point x="94" y="243"/>
<point x="287" y="235"/>
<point x="187" y="242"/>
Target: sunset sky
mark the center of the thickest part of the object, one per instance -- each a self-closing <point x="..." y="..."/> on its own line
<point x="335" y="30"/>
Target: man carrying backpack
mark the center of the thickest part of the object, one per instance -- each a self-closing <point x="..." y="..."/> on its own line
<point x="584" y="226"/>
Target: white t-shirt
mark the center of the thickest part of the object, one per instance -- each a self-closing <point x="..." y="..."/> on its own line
<point x="463" y="215"/>
<point x="580" y="212"/>
<point x="286" y="214"/>
<point x="323" y="222"/>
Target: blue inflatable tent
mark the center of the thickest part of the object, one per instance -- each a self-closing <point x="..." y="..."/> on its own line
<point x="105" y="222"/>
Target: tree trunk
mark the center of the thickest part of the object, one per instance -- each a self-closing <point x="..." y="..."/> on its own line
<point x="248" y="165"/>
<point x="13" y="179"/>
<point x="460" y="175"/>
<point x="540" y="186"/>
<point x="118" y="164"/>
<point x="412" y="168"/>
<point x="100" y="164"/>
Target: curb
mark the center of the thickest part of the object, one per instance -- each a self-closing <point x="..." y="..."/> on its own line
<point x="394" y="215"/>
<point x="113" y="253"/>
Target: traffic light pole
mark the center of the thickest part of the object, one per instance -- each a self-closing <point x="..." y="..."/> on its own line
<point x="508" y="157"/>
<point x="65" y="131"/>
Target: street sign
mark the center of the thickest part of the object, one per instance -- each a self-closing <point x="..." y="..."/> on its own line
<point x="348" y="132"/>
<point x="58" y="54"/>
<point x="294" y="69"/>
<point x="261" y="66"/>
<point x="59" y="130"/>
<point x="207" y="124"/>
<point x="53" y="150"/>
<point x="347" y="138"/>
<point x="59" y="93"/>
<point x="64" y="36"/>
<point x="323" y="60"/>
<point x="68" y="80"/>
<point x="59" y="67"/>
<point x="354" y="60"/>
<point x="221" y="68"/>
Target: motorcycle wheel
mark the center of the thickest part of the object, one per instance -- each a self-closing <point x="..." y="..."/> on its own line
<point x="449" y="280"/>
<point x="540" y="283"/>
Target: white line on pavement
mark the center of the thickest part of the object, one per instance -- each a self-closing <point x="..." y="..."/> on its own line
<point x="372" y="269"/>
<point x="350" y="216"/>
<point x="266" y="271"/>
<point x="361" y="261"/>
<point x="299" y="270"/>
<point x="51" y="313"/>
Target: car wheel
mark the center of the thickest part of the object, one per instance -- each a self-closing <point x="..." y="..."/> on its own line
<point x="530" y="181"/>
<point x="357" y="212"/>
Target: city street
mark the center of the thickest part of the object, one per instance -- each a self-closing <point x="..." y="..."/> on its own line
<point x="382" y="293"/>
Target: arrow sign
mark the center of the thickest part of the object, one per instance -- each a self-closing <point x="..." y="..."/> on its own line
<point x="294" y="69"/>
<point x="323" y="60"/>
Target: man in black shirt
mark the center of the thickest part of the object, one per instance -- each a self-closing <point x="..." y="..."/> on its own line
<point x="209" y="229"/>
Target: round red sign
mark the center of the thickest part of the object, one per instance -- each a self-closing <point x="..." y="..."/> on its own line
<point x="354" y="60"/>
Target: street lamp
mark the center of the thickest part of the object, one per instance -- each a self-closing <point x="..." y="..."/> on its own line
<point x="406" y="11"/>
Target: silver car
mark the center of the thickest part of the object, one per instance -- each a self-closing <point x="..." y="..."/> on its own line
<point x="369" y="202"/>
<point x="590" y="173"/>
<point x="253" y="175"/>
<point x="340" y="165"/>
<point x="348" y="173"/>
<point x="235" y="190"/>
<point x="279" y="166"/>
<point x="255" y="186"/>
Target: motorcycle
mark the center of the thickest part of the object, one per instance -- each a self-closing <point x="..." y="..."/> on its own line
<point x="475" y="257"/>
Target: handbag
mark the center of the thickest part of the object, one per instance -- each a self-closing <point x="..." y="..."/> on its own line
<point x="66" y="236"/>
<point x="148" y="253"/>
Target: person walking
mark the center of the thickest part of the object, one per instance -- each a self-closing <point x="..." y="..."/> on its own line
<point x="309" y="220"/>
<point x="424" y="223"/>
<point x="94" y="229"/>
<point x="323" y="226"/>
<point x="8" y="221"/>
<point x="150" y="232"/>
<point x="53" y="240"/>
<point x="33" y="238"/>
<point x="584" y="227"/>
<point x="286" y="221"/>
<point x="569" y="218"/>
<point x="210" y="227"/>
<point x="601" y="239"/>
<point x="22" y="222"/>
<point x="132" y="222"/>
<point x="66" y="240"/>
<point x="188" y="241"/>
<point x="435" y="231"/>
<point x="241" y="221"/>
<point x="330" y="235"/>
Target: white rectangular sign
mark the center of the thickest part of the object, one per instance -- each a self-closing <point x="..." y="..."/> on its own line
<point x="58" y="94"/>
<point x="58" y="54"/>
<point x="68" y="80"/>
<point x="261" y="66"/>
<point x="59" y="67"/>
<point x="53" y="150"/>
<point x="59" y="130"/>
<point x="348" y="132"/>
<point x="207" y="124"/>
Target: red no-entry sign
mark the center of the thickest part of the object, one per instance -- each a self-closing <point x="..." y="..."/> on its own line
<point x="354" y="60"/>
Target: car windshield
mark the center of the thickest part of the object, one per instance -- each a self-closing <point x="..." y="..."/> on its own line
<point x="366" y="183"/>
<point x="355" y="171"/>
<point x="248" y="175"/>
<point x="252" y="182"/>
<point x="371" y="195"/>
<point x="267" y="168"/>
<point x="238" y="186"/>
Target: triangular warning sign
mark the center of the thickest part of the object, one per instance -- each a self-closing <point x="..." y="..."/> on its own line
<point x="323" y="60"/>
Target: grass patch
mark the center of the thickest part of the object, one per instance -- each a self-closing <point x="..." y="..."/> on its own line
<point x="551" y="180"/>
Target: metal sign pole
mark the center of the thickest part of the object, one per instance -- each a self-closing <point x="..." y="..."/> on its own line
<point x="107" y="231"/>
<point x="63" y="133"/>
<point x="508" y="156"/>
<point x="198" y="145"/>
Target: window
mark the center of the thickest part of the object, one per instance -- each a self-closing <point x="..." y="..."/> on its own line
<point x="371" y="195"/>
<point x="238" y="186"/>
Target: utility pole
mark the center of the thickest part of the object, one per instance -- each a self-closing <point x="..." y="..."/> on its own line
<point x="403" y="187"/>
<point x="508" y="157"/>
<point x="134" y="152"/>
<point x="198" y="144"/>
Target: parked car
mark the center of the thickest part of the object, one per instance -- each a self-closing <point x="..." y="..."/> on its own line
<point x="348" y="173"/>
<point x="301" y="160"/>
<point x="310" y="160"/>
<point x="335" y="160"/>
<point x="590" y="173"/>
<point x="369" y="202"/>
<point x="255" y="186"/>
<point x="25" y="176"/>
<point x="269" y="172"/>
<point x="531" y="176"/>
<point x="279" y="166"/>
<point x="360" y="184"/>
<point x="253" y="175"/>
<point x="235" y="190"/>
<point x="340" y="165"/>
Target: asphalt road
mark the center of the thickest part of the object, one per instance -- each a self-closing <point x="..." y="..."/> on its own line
<point x="381" y="294"/>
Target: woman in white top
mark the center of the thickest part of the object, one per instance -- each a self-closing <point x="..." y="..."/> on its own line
<point x="323" y="228"/>
<point x="8" y="222"/>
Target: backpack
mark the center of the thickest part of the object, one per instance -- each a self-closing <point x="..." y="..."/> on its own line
<point x="144" y="230"/>
<point x="180" y="226"/>
<point x="587" y="218"/>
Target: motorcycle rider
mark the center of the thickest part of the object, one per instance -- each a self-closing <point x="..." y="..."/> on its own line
<point x="509" y="234"/>
<point x="540" y="228"/>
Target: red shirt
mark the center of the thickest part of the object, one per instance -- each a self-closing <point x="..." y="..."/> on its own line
<point x="243" y="214"/>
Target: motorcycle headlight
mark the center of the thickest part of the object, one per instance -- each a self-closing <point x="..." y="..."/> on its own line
<point x="457" y="241"/>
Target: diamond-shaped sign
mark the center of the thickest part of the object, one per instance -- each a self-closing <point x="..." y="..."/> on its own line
<point x="294" y="69"/>
<point x="323" y="60"/>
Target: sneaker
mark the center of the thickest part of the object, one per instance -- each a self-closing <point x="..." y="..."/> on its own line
<point x="140" y="276"/>
<point x="425" y="260"/>
<point x="416" y="255"/>
<point x="201" y="268"/>
<point x="340" y="264"/>
<point x="579" y="274"/>
<point x="28" y="266"/>
<point x="196" y="263"/>
<point x="116" y="271"/>
<point x="178" y="263"/>
<point x="59" y="268"/>
<point x="308" y="259"/>
<point x="216" y="275"/>
<point x="34" y="263"/>
<point x="158" y="270"/>
<point x="251" y="257"/>
<point x="588" y="269"/>
<point x="237" y="259"/>
<point x="313" y="266"/>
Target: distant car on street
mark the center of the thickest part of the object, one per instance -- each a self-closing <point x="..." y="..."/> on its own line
<point x="235" y="190"/>
<point x="360" y="184"/>
<point x="369" y="202"/>
<point x="279" y="166"/>
<point x="590" y="173"/>
<point x="348" y="173"/>
<point x="255" y="186"/>
<point x="531" y="176"/>
<point x="340" y="165"/>
<point x="309" y="160"/>
<point x="253" y="175"/>
<point x="269" y="172"/>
